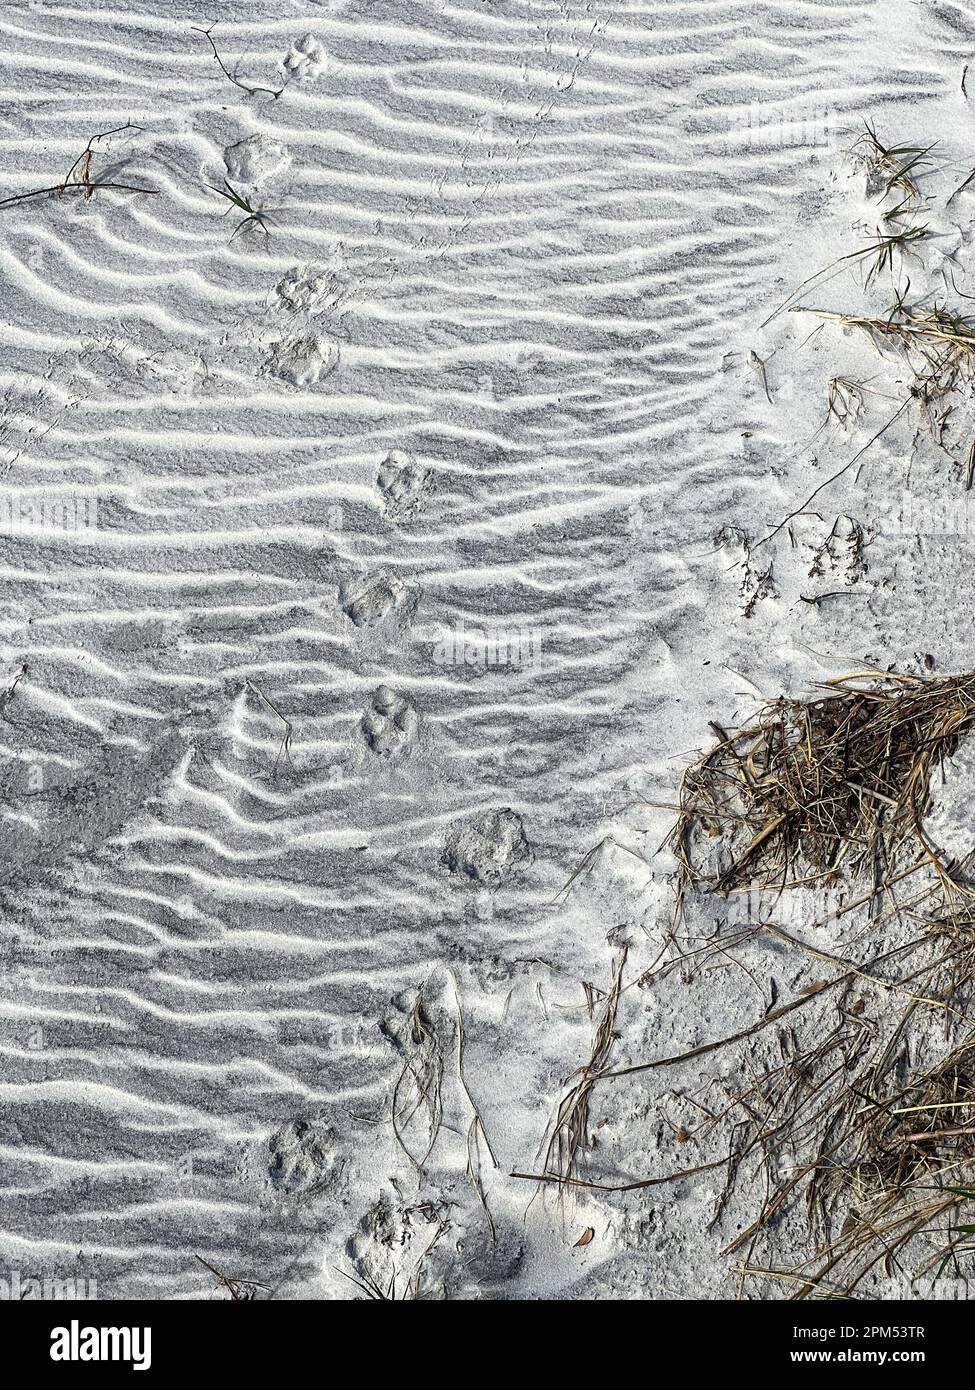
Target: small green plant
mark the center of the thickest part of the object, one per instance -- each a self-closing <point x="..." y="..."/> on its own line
<point x="373" y="1290"/>
<point x="885" y="244"/>
<point x="897" y="165"/>
<point x="253" y="220"/>
<point x="956" y="1249"/>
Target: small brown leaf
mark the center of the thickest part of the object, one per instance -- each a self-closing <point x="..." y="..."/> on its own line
<point x="586" y="1237"/>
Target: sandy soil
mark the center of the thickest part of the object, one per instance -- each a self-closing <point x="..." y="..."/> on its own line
<point x="363" y="579"/>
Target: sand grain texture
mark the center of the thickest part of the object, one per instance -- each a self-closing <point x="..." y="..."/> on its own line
<point x="424" y="550"/>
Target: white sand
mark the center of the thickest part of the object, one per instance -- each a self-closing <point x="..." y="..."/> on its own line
<point x="457" y="473"/>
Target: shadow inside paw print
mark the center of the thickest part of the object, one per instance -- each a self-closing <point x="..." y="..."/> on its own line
<point x="390" y="726"/>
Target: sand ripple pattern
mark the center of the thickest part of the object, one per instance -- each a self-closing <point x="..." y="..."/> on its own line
<point x="391" y="569"/>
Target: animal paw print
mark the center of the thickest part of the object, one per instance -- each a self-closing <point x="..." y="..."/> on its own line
<point x="390" y="726"/>
<point x="485" y="851"/>
<point x="301" y="1157"/>
<point x="304" y="60"/>
<point x="307" y="288"/>
<point x="402" y="483"/>
<point x="368" y="601"/>
<point x="303" y="361"/>
<point x="255" y="159"/>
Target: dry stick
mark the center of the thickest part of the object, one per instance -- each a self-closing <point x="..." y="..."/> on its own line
<point x="773" y="1017"/>
<point x="623" y="1187"/>
<point x="923" y="1136"/>
<point x="78" y="178"/>
<point x="961" y="187"/>
<point x="7" y="695"/>
<point x="251" y="91"/>
<point x="77" y="188"/>
<point x="569" y="1127"/>
<point x="941" y="1105"/>
<point x="839" y="960"/>
<point x="838" y="474"/>
<point x="476" y="1126"/>
<point x="233" y="1286"/>
<point x="285" y="750"/>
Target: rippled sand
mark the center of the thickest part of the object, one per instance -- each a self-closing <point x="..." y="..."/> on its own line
<point x="363" y="578"/>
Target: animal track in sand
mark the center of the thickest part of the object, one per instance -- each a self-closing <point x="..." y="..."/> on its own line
<point x="255" y="159"/>
<point x="841" y="550"/>
<point x="402" y="483"/>
<point x="404" y="1249"/>
<point x="391" y="724"/>
<point x="367" y="601"/>
<point x="301" y="1156"/>
<point x="756" y="583"/>
<point x="302" y="361"/>
<point x="307" y="288"/>
<point x="487" y="849"/>
<point x="393" y="1241"/>
<point x="304" y="60"/>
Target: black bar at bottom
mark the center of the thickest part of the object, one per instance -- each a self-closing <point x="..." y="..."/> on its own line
<point x="110" y="1337"/>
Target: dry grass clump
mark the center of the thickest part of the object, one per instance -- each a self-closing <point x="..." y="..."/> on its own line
<point x="813" y="787"/>
<point x="852" y="1124"/>
<point x="569" y="1133"/>
<point x="926" y="1125"/>
<point x="839" y="1118"/>
<point x="907" y="1147"/>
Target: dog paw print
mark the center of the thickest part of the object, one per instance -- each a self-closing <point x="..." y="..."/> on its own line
<point x="255" y="159"/>
<point x="307" y="288"/>
<point x="486" y="850"/>
<point x="368" y="601"/>
<point x="303" y="361"/>
<point x="390" y="726"/>
<point x="304" y="60"/>
<point x="401" y="482"/>
<point x="301" y="1157"/>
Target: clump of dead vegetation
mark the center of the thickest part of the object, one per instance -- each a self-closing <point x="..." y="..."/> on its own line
<point x="887" y="1150"/>
<point x="851" y="1105"/>
<point x="813" y="787"/>
<point x="867" y="1123"/>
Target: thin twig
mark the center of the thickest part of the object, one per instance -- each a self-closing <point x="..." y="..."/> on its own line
<point x="231" y="77"/>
